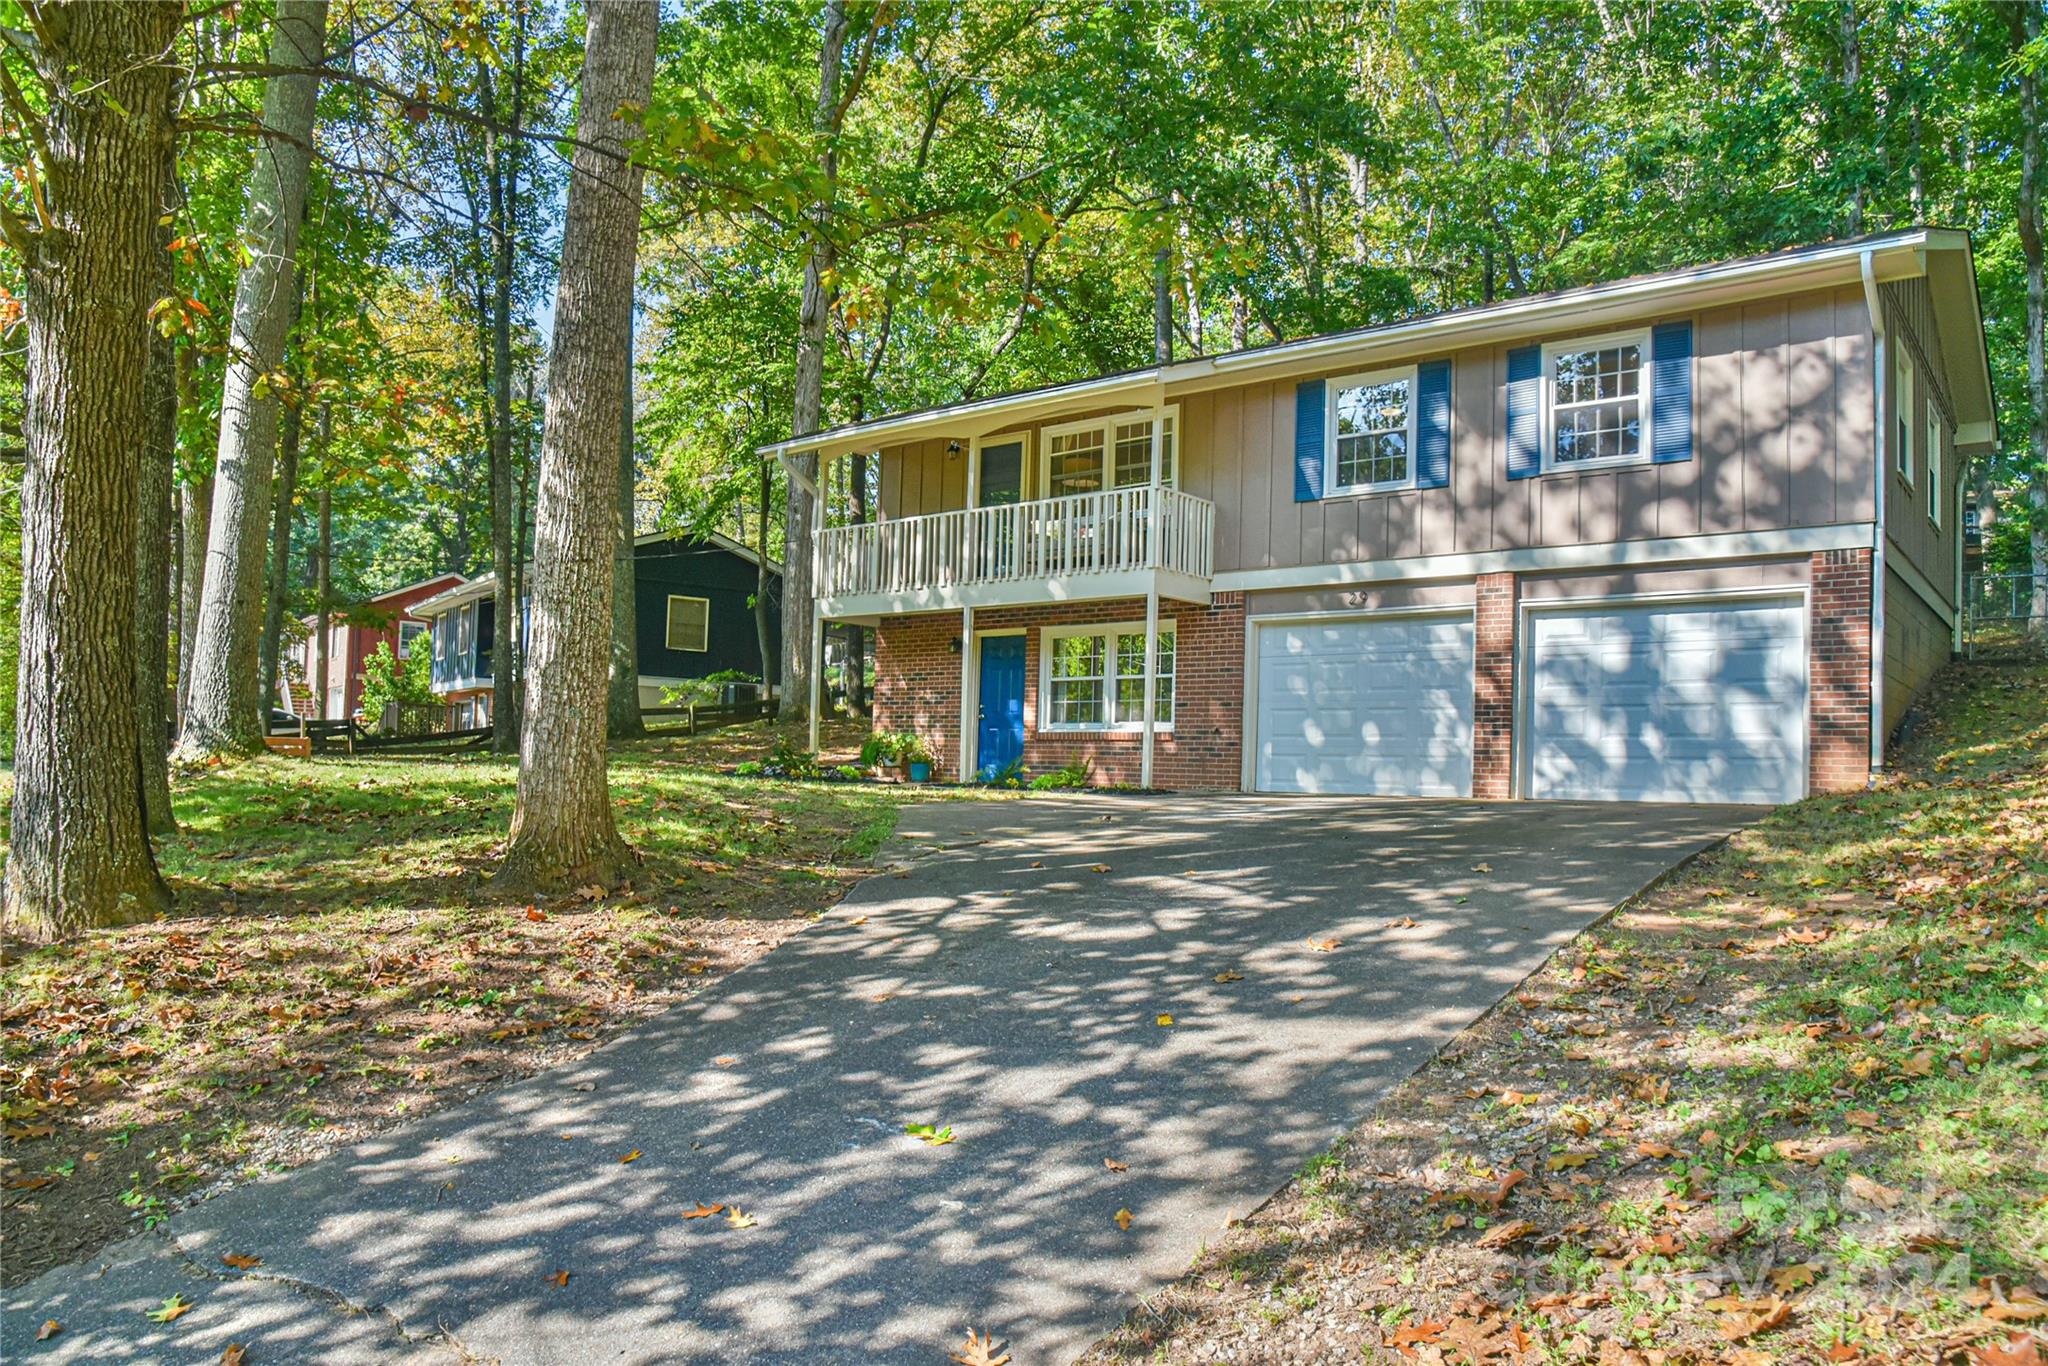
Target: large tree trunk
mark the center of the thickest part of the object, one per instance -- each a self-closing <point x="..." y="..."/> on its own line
<point x="78" y="855"/>
<point x="2026" y="22"/>
<point x="764" y="584"/>
<point x="502" y="174"/>
<point x="562" y="831"/>
<point x="225" y="713"/>
<point x="154" y="520"/>
<point x="195" y="502"/>
<point x="800" y="514"/>
<point x="280" y="551"/>
<point x="622" y="696"/>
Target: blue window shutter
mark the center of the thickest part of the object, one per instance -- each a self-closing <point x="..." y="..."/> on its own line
<point x="1671" y="393"/>
<point x="1433" y="424"/>
<point x="1525" y="412"/>
<point x="1308" y="440"/>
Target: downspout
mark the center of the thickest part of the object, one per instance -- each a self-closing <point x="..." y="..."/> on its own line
<point x="1877" y="535"/>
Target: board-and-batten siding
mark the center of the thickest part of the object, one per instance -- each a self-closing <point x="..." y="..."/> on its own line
<point x="1909" y="321"/>
<point x="1782" y="437"/>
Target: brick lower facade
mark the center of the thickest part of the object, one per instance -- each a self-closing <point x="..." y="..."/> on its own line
<point x="918" y="673"/>
<point x="1838" y="671"/>
<point x="1493" y="687"/>
<point x="917" y="688"/>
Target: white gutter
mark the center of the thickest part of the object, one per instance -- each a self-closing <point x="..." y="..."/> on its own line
<point x="1877" y="536"/>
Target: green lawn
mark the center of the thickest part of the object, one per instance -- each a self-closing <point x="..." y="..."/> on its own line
<point x="334" y="966"/>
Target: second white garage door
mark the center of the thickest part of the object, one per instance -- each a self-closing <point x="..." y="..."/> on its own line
<point x="1697" y="702"/>
<point x="1374" y="708"/>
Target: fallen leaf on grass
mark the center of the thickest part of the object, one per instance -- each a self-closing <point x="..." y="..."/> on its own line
<point x="981" y="1351"/>
<point x="1123" y="1219"/>
<point x="1115" y="1165"/>
<point x="1504" y="1235"/>
<point x="1660" y="1151"/>
<point x="2021" y="1306"/>
<point x="932" y="1135"/>
<point x="1747" y="1318"/>
<point x="1558" y="1162"/>
<point x="1920" y="1064"/>
<point x="49" y="1330"/>
<point x="739" y="1218"/>
<point x="558" y="1277"/>
<point x="1520" y="1097"/>
<point x="633" y="1156"/>
<point x="171" y="1309"/>
<point x="28" y="1183"/>
<point x="1871" y="1192"/>
<point x="1862" y="1119"/>
<point x="2024" y="1350"/>
<point x="1789" y="1278"/>
<point x="703" y="1211"/>
<point x="536" y="913"/>
<point x="1230" y="977"/>
<point x="240" y="1261"/>
<point x="1408" y="1337"/>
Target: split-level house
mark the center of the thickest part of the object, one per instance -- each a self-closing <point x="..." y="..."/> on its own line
<point x="1691" y="536"/>
<point x="354" y="633"/>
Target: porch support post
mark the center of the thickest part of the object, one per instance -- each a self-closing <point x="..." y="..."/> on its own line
<point x="817" y="676"/>
<point x="970" y="710"/>
<point x="1153" y="560"/>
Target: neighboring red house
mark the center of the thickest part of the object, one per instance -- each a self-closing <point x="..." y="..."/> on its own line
<point x="354" y="633"/>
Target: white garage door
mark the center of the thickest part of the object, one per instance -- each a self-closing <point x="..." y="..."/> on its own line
<point x="1377" y="708"/>
<point x="1683" y="703"/>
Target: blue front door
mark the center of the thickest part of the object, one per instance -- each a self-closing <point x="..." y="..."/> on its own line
<point x="1002" y="704"/>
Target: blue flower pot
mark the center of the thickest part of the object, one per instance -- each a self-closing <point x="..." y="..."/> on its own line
<point x="920" y="771"/>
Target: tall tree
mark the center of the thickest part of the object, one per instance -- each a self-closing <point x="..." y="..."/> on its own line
<point x="2025" y="18"/>
<point x="622" y="698"/>
<point x="224" y="713"/>
<point x="562" y="827"/>
<point x="78" y="855"/>
<point x="154" y="518"/>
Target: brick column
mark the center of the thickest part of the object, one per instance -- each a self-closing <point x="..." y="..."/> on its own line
<point x="1838" y="671"/>
<point x="1493" y="687"/>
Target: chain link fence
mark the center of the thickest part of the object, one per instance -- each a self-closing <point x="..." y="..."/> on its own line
<point x="2005" y="616"/>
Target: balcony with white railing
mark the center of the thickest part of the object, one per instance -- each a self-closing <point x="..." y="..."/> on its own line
<point x="1118" y="543"/>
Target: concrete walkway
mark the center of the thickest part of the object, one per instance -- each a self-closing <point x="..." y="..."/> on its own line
<point x="1007" y="981"/>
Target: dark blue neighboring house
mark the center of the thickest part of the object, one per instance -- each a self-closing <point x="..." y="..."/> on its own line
<point x="693" y="597"/>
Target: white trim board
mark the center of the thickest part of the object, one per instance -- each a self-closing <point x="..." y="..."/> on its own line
<point x="1730" y="545"/>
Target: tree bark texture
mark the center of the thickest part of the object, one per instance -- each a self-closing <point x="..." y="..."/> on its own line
<point x="562" y="831"/>
<point x="2027" y="22"/>
<point x="622" y="697"/>
<point x="800" y="516"/>
<point x="78" y="855"/>
<point x="225" y="713"/>
<point x="155" y="516"/>
<point x="195" y="502"/>
<point x="280" y="551"/>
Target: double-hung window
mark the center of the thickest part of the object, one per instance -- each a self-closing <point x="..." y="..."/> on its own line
<point x="689" y="623"/>
<point x="1095" y="678"/>
<point x="1597" y="402"/>
<point x="1106" y="453"/>
<point x="1934" y="435"/>
<point x="1904" y="426"/>
<point x="1372" y="433"/>
<point x="409" y="631"/>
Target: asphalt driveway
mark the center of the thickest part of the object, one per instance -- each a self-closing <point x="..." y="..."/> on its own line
<point x="1007" y="980"/>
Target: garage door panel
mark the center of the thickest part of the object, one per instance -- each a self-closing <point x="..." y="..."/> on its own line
<point x="1366" y="707"/>
<point x="1693" y="702"/>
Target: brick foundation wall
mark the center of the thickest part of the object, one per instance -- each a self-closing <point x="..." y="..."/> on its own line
<point x="1493" y="687"/>
<point x="917" y="688"/>
<point x="1838" y="748"/>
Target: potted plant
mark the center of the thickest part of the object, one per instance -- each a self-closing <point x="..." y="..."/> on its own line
<point x="917" y="757"/>
<point x="889" y="753"/>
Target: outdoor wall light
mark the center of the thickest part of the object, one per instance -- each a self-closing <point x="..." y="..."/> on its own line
<point x="952" y="450"/>
<point x="953" y="645"/>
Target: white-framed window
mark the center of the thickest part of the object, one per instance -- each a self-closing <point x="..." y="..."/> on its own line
<point x="1596" y="402"/>
<point x="1934" y="436"/>
<point x="1905" y="422"/>
<point x="689" y="623"/>
<point x="1106" y="453"/>
<point x="1371" y="433"/>
<point x="1094" y="678"/>
<point x="441" y="629"/>
<point x="409" y="631"/>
